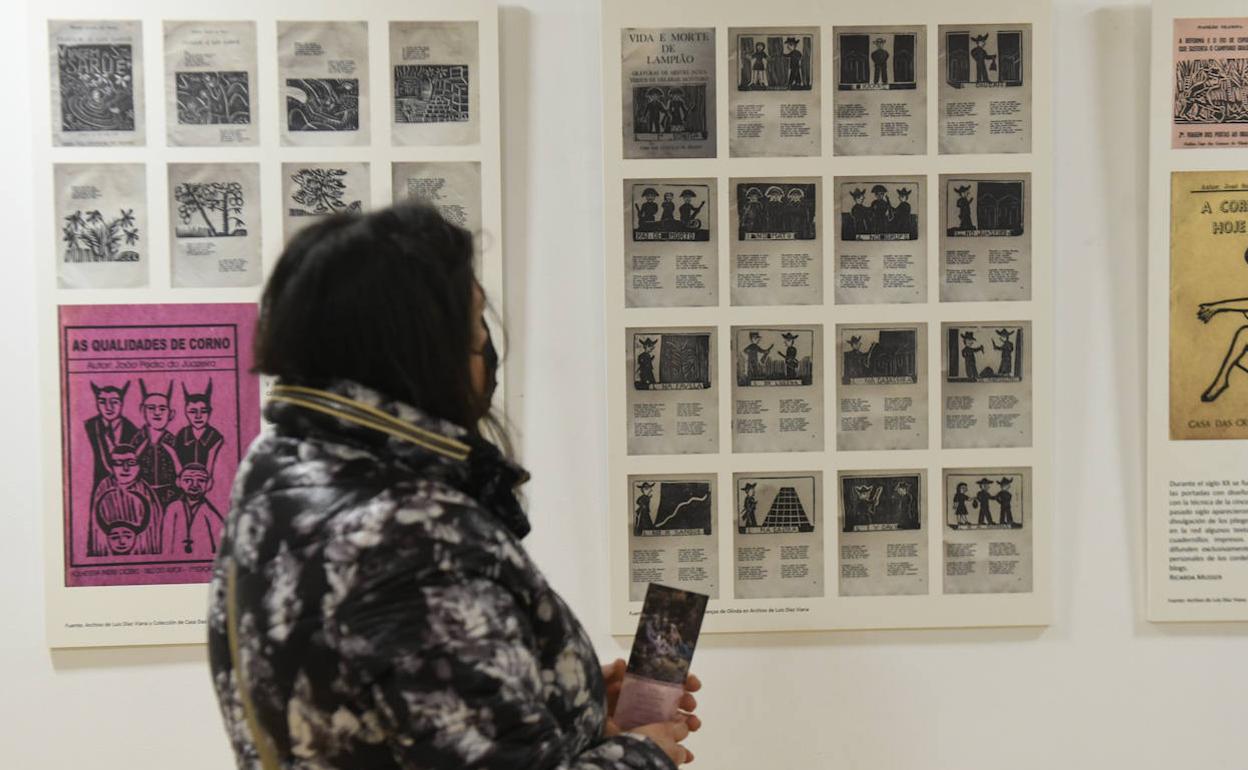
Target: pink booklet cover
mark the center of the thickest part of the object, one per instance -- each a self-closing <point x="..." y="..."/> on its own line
<point x="662" y="651"/>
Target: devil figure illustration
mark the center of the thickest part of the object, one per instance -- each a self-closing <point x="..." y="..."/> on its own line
<point x="198" y="442"/>
<point x="108" y="428"/>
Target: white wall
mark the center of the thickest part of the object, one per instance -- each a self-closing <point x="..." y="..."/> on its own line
<point x="1100" y="688"/>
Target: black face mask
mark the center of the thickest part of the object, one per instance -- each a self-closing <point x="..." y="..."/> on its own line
<point x="489" y="357"/>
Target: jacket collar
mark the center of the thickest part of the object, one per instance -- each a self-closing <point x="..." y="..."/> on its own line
<point x="348" y="411"/>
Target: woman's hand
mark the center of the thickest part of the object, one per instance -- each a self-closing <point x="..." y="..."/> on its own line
<point x="1207" y="311"/>
<point x="668" y="735"/>
<point x="613" y="673"/>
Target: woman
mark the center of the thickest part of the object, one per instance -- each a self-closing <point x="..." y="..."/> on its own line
<point x="372" y="605"/>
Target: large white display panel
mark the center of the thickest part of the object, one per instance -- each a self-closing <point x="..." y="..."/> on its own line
<point x="829" y="329"/>
<point x="176" y="147"/>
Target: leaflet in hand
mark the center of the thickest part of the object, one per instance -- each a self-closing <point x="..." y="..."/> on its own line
<point x="662" y="651"/>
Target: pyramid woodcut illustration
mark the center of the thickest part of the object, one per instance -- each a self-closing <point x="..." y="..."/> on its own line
<point x="786" y="511"/>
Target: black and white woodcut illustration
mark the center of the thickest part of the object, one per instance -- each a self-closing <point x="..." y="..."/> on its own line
<point x="877" y="61"/>
<point x="985" y="88"/>
<point x="671" y="533"/>
<point x="672" y="361"/>
<point x="984" y="59"/>
<point x="101" y="220"/>
<point x="883" y="543"/>
<point x="670" y="252"/>
<point x="96" y="76"/>
<point x="1211" y="91"/>
<point x="682" y="508"/>
<point x="987" y="385"/>
<point x="881" y="391"/>
<point x="984" y="208"/>
<point x="671" y="113"/>
<point x="1210" y="83"/>
<point x="323" y="70"/>
<point x="987" y="530"/>
<point x="985" y="502"/>
<point x="668" y="92"/>
<point x="778" y="541"/>
<point x="881" y="90"/>
<point x="776" y="211"/>
<point x="311" y="191"/>
<point x="881" y="251"/>
<point x="770" y="357"/>
<point x="776" y="257"/>
<point x="210" y="83"/>
<point x="322" y="104"/>
<point x="212" y="98"/>
<point x="879" y="356"/>
<point x="879" y="212"/>
<point x="774" y="105"/>
<point x="775" y="61"/>
<point x="871" y="503"/>
<point x="672" y="390"/>
<point x="778" y="389"/>
<point x="986" y="241"/>
<point x="970" y="361"/>
<point x="434" y="93"/>
<point x="209" y="210"/>
<point x="97" y="87"/>
<point x="214" y="217"/>
<point x="431" y="93"/>
<point x="671" y="212"/>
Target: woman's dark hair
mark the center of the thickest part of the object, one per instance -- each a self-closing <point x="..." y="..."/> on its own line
<point x="384" y="299"/>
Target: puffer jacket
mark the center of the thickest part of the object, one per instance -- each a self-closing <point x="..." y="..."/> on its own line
<point x="372" y="606"/>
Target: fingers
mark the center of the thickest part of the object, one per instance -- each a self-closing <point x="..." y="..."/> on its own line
<point x="614" y="669"/>
<point x="687" y="702"/>
<point x="679" y="730"/>
<point x="692" y="683"/>
<point x="694" y="723"/>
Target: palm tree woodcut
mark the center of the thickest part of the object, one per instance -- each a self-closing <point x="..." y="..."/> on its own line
<point x="213" y="203"/>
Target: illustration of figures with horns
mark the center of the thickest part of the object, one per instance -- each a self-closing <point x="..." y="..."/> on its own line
<point x="150" y="485"/>
<point x="198" y="442"/>
<point x="108" y="427"/>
